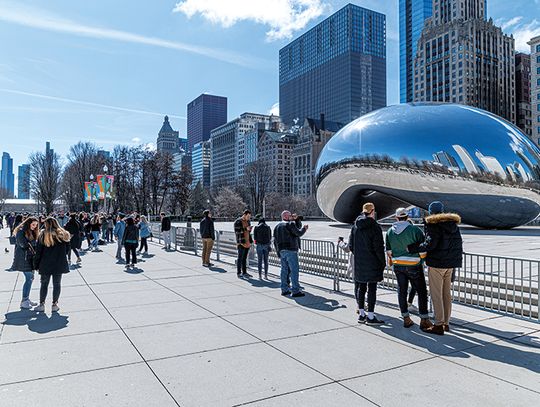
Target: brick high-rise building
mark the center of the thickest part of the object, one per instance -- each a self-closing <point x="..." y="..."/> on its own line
<point x="523" y="93"/>
<point x="464" y="58"/>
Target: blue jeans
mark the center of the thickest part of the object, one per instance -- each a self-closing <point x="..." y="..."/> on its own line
<point x="289" y="267"/>
<point x="27" y="286"/>
<point x="262" y="257"/>
<point x="95" y="235"/>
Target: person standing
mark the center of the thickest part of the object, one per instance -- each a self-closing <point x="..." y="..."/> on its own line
<point x="367" y="245"/>
<point x="242" y="230"/>
<point x="408" y="268"/>
<point x="166" y="230"/>
<point x="130" y="240"/>
<point x="53" y="245"/>
<point x="26" y="235"/>
<point x="144" y="233"/>
<point x="95" y="227"/>
<point x="110" y="228"/>
<point x="74" y="228"/>
<point x="444" y="247"/>
<point x="62" y="219"/>
<point x="262" y="236"/>
<point x="287" y="242"/>
<point x="118" y="232"/>
<point x="208" y="235"/>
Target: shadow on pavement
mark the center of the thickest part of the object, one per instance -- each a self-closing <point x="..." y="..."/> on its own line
<point x="133" y="270"/>
<point x="217" y="269"/>
<point x="318" y="302"/>
<point x="38" y="322"/>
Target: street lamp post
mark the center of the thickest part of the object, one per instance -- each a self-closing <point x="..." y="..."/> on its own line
<point x="92" y="192"/>
<point x="106" y="183"/>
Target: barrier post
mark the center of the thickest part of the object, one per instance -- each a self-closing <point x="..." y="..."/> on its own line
<point x="218" y="234"/>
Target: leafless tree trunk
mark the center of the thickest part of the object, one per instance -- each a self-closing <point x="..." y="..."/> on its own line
<point x="258" y="178"/>
<point x="45" y="172"/>
<point x="4" y="194"/>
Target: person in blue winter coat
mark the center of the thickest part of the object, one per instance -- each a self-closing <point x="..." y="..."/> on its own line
<point x="144" y="234"/>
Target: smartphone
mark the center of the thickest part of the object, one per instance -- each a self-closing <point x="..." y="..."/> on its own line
<point x="341" y="238"/>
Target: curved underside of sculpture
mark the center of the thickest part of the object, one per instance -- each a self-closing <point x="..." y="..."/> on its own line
<point x="479" y="165"/>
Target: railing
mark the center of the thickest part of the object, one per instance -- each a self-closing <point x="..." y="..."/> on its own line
<point x="501" y="284"/>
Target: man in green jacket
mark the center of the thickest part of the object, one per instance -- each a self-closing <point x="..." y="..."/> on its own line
<point x="407" y="267"/>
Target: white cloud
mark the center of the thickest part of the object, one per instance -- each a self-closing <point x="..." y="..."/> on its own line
<point x="523" y="32"/>
<point x="506" y="24"/>
<point x="136" y="140"/>
<point x="284" y="17"/>
<point x="85" y="103"/>
<point x="274" y="109"/>
<point x="15" y="13"/>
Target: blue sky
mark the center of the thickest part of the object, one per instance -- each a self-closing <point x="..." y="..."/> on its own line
<point x="107" y="71"/>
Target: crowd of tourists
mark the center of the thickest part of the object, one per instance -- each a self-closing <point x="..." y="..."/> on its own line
<point x="405" y="249"/>
<point x="46" y="243"/>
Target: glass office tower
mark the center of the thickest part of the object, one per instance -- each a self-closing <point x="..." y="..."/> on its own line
<point x="338" y="68"/>
<point x="204" y="114"/>
<point x="412" y="14"/>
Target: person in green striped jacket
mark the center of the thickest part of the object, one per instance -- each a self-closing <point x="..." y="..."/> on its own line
<point x="408" y="267"/>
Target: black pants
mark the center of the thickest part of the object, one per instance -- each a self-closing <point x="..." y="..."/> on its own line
<point x="241" y="261"/>
<point x="412" y="294"/>
<point x="74" y="250"/>
<point x="414" y="275"/>
<point x="45" y="278"/>
<point x="371" y="289"/>
<point x="144" y="244"/>
<point x="131" y="252"/>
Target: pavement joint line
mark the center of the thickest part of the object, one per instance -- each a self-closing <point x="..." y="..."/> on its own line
<point x="58" y="336"/>
<point x="9" y="304"/>
<point x="132" y="344"/>
<point x="70" y="373"/>
<point x="267" y="343"/>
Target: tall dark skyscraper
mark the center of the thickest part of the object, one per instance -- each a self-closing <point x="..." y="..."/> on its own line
<point x="7" y="178"/>
<point x="204" y="114"/>
<point x="412" y="15"/>
<point x="523" y="93"/>
<point x="23" y="188"/>
<point x="338" y="68"/>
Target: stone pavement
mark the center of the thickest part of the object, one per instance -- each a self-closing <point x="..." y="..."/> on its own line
<point x="171" y="333"/>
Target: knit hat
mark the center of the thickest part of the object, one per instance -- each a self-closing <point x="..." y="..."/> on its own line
<point x="262" y="220"/>
<point x="435" y="207"/>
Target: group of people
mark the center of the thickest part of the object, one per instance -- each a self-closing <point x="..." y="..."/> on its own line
<point x="405" y="249"/>
<point x="45" y="244"/>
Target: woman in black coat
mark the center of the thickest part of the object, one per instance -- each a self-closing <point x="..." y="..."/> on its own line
<point x="51" y="260"/>
<point x="367" y="245"/>
<point x="74" y="228"/>
<point x="130" y="240"/>
<point x="26" y="234"/>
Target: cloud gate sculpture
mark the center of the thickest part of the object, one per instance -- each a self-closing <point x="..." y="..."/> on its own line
<point x="476" y="163"/>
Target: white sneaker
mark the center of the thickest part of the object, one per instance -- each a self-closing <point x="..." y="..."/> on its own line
<point x="26" y="304"/>
<point x="40" y="308"/>
<point x="55" y="308"/>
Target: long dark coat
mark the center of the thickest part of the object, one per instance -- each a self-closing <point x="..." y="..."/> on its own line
<point x="367" y="245"/>
<point x="22" y="260"/>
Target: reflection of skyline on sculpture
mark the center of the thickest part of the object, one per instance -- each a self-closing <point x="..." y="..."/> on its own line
<point x="448" y="151"/>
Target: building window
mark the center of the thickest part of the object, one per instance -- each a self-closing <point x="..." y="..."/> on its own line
<point x="538" y="48"/>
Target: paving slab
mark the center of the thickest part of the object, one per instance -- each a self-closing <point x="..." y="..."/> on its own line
<point x="64" y="355"/>
<point x="235" y="375"/>
<point x="182" y="338"/>
<point x="132" y="385"/>
<point x="211" y="290"/>
<point x="439" y="383"/>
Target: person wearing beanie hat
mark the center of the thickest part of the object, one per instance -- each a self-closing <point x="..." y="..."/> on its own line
<point x="262" y="237"/>
<point x="367" y="246"/>
<point x="444" y="247"/>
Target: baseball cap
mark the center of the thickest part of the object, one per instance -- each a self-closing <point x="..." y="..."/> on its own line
<point x="401" y="213"/>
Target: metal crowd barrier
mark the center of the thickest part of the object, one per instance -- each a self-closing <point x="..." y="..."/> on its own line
<point x="501" y="284"/>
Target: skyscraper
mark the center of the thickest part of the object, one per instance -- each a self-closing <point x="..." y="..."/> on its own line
<point x="23" y="187"/>
<point x="523" y="93"/>
<point x="535" y="88"/>
<point x="204" y="114"/>
<point x="7" y="178"/>
<point x="200" y="164"/>
<point x="338" y="68"/>
<point x="168" y="140"/>
<point x="462" y="57"/>
<point x="412" y="16"/>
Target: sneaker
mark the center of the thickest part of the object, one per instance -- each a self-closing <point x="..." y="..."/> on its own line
<point x="40" y="308"/>
<point x="32" y="303"/>
<point x="362" y="319"/>
<point x="298" y="294"/>
<point x="26" y="304"/>
<point x="210" y="264"/>
<point x="205" y="265"/>
<point x="55" y="308"/>
<point x="374" y="321"/>
<point x="285" y="293"/>
<point x="239" y="275"/>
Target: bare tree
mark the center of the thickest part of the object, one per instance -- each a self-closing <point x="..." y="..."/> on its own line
<point x="45" y="171"/>
<point x="180" y="190"/>
<point x="4" y="194"/>
<point x="228" y="203"/>
<point x="160" y="176"/>
<point x="258" y="178"/>
<point x="199" y="200"/>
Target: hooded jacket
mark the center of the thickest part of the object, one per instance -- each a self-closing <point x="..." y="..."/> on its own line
<point x="443" y="244"/>
<point x="367" y="245"/>
<point x="398" y="237"/>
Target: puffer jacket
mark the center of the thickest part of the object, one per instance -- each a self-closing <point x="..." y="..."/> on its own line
<point x="367" y="245"/>
<point x="443" y="243"/>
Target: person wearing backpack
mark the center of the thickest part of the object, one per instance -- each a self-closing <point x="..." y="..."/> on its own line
<point x="262" y="236"/>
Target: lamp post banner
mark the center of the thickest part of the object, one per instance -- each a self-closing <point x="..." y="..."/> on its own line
<point x="90" y="191"/>
<point x="105" y="184"/>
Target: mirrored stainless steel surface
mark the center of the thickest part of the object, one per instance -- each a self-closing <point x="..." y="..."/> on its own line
<point x="476" y="163"/>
